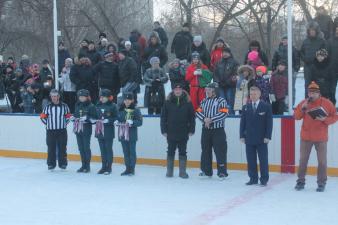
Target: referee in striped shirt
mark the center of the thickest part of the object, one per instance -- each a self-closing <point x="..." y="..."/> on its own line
<point x="212" y="113"/>
<point x="56" y="116"/>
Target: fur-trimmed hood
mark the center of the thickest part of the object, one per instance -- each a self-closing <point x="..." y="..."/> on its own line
<point x="314" y="25"/>
<point x="156" y="35"/>
<point x="246" y="67"/>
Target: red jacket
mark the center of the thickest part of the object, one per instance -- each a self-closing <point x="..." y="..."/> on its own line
<point x="216" y="56"/>
<point x="190" y="77"/>
<point x="315" y="130"/>
<point x="279" y="85"/>
<point x="142" y="41"/>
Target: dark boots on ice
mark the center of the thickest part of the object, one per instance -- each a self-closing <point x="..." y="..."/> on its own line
<point x="183" y="166"/>
<point x="170" y="166"/>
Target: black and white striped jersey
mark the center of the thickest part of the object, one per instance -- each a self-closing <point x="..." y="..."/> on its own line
<point x="215" y="109"/>
<point x="55" y="117"/>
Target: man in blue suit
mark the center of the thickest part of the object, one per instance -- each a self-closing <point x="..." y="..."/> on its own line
<point x="255" y="132"/>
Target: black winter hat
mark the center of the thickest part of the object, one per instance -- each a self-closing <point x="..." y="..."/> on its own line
<point x="186" y="25"/>
<point x="255" y="43"/>
<point x="129" y="96"/>
<point x="111" y="45"/>
<point x="106" y="54"/>
<point x="226" y="49"/>
<point x="177" y="85"/>
<point x="282" y="62"/>
<point x="102" y="34"/>
<point x="220" y="39"/>
<point x="83" y="92"/>
<point x="105" y="93"/>
<point x="195" y="55"/>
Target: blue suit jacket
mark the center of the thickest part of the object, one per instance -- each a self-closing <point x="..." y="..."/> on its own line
<point x="256" y="126"/>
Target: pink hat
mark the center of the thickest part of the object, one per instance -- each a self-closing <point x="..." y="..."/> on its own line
<point x="253" y="56"/>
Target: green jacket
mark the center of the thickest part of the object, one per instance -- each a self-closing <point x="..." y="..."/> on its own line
<point x="107" y="111"/>
<point x="133" y="114"/>
<point x="88" y="110"/>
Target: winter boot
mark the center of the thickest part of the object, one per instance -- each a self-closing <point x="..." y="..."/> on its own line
<point x="183" y="166"/>
<point x="170" y="166"/>
<point x="132" y="171"/>
<point x="81" y="168"/>
<point x="222" y="171"/>
<point x="126" y="172"/>
<point x="86" y="167"/>
<point x="300" y="186"/>
<point x="320" y="188"/>
<point x="51" y="168"/>
<point x="108" y="169"/>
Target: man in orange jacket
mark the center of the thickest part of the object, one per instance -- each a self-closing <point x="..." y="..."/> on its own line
<point x="314" y="132"/>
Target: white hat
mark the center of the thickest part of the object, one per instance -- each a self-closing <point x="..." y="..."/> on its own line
<point x="198" y="38"/>
<point x="154" y="60"/>
<point x="1" y="58"/>
<point x="127" y="43"/>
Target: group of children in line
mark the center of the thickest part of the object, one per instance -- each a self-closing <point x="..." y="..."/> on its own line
<point x="106" y="115"/>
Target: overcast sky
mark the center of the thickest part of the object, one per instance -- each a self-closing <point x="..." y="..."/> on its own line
<point x="159" y="7"/>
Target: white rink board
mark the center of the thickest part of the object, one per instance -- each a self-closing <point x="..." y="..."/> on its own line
<point x="332" y="147"/>
<point x="27" y="133"/>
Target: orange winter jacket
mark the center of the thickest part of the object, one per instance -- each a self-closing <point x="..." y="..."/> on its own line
<point x="315" y="130"/>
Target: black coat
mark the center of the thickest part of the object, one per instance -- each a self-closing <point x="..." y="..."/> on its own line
<point x="225" y="71"/>
<point x="204" y="53"/>
<point x="282" y="54"/>
<point x="127" y="71"/>
<point x="44" y="73"/>
<point x="177" y="76"/>
<point x="94" y="57"/>
<point x="333" y="54"/>
<point x="163" y="36"/>
<point x="132" y="53"/>
<point x="320" y="72"/>
<point x="178" y="117"/>
<point x="82" y="76"/>
<point x="326" y="25"/>
<point x="181" y="45"/>
<point x="83" y="52"/>
<point x="108" y="76"/>
<point x="155" y="50"/>
<point x="309" y="48"/>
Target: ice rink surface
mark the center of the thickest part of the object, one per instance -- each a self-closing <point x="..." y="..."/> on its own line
<point x="31" y="195"/>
